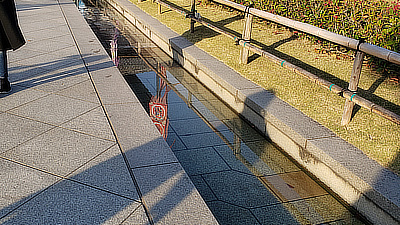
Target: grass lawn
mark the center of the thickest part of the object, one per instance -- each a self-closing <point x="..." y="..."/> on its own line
<point x="376" y="137"/>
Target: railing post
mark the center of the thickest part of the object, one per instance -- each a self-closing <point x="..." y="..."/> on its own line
<point x="353" y="84"/>
<point x="246" y="36"/>
<point x="192" y="13"/>
<point x="139" y="49"/>
<point x="159" y="7"/>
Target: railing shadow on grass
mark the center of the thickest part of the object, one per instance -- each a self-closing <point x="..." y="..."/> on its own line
<point x="395" y="163"/>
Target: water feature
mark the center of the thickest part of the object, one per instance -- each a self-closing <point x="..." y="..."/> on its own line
<point x="242" y="176"/>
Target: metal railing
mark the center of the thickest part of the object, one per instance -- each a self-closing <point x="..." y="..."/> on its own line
<point x="361" y="48"/>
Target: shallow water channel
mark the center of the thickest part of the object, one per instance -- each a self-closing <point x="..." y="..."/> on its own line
<point x="244" y="178"/>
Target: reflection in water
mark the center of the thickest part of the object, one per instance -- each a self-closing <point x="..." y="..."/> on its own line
<point x="158" y="106"/>
<point x="114" y="47"/>
<point x="243" y="178"/>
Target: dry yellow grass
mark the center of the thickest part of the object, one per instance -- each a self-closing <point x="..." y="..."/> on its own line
<point x="375" y="136"/>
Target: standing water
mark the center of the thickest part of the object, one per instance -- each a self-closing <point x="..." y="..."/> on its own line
<point x="243" y="177"/>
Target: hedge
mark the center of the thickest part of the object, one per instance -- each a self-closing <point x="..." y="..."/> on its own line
<point x="376" y="21"/>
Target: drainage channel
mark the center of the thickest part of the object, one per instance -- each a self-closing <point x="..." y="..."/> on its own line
<point x="243" y="178"/>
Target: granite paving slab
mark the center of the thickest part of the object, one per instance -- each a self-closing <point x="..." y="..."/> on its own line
<point x="19" y="96"/>
<point x="58" y="151"/>
<point x="174" y="141"/>
<point x="227" y="213"/>
<point x="50" y="46"/>
<point x="82" y="91"/>
<point x="137" y="217"/>
<point x="180" y="111"/>
<point x="205" y="139"/>
<point x="201" y="161"/>
<point x="23" y="183"/>
<point x="16" y="130"/>
<point x="275" y="215"/>
<point x="52" y="61"/>
<point x="204" y="190"/>
<point x="110" y="85"/>
<point x="241" y="164"/>
<point x="21" y="54"/>
<point x="92" y="123"/>
<point x="268" y="153"/>
<point x="20" y="72"/>
<point x="42" y="24"/>
<point x="190" y="126"/>
<point x="108" y="172"/>
<point x="68" y="202"/>
<point x="53" y="109"/>
<point x="56" y="80"/>
<point x="154" y="152"/>
<point x="240" y="189"/>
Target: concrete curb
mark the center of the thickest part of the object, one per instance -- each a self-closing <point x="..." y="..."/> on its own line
<point x="164" y="187"/>
<point x="363" y="183"/>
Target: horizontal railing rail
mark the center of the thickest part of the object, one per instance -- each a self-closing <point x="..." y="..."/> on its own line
<point x="361" y="47"/>
<point x="353" y="44"/>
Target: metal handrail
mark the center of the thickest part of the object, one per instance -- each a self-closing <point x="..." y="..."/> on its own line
<point x="354" y="44"/>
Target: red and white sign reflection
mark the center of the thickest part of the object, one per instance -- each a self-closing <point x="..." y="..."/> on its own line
<point x="159" y="106"/>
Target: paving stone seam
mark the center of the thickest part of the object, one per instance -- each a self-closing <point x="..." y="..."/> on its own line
<point x="53" y="51"/>
<point x="120" y="103"/>
<point x="205" y="182"/>
<point x="81" y="132"/>
<point x="179" y="139"/>
<point x="50" y="173"/>
<point x="16" y="61"/>
<point x="47" y="38"/>
<point x="134" y="180"/>
<point x="221" y="171"/>
<point x="154" y="165"/>
<point x="247" y="209"/>
<point x="29" y="199"/>
<point x="197" y="148"/>
<point x="48" y="123"/>
<point x="64" y="95"/>
<point x="133" y="212"/>
<point x="22" y="143"/>
<point x="87" y="162"/>
<point x="36" y="194"/>
<point x="57" y="126"/>
<point x="23" y="104"/>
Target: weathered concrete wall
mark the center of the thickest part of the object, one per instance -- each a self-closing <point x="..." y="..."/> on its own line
<point x="363" y="183"/>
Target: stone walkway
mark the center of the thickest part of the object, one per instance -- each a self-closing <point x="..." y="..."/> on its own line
<point x="76" y="146"/>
